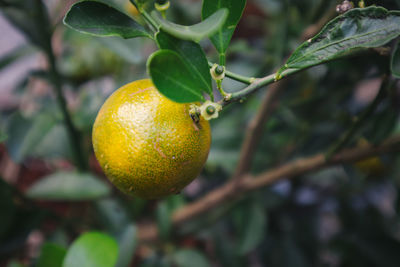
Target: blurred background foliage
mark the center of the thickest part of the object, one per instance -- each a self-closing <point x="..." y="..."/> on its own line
<point x="344" y="215"/>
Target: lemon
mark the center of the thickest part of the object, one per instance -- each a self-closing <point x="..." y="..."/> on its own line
<point x="148" y="145"/>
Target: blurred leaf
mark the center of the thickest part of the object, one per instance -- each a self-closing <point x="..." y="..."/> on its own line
<point x="100" y="19"/>
<point x="190" y="258"/>
<point x="14" y="263"/>
<point x="192" y="55"/>
<point x="127" y="242"/>
<point x="31" y="18"/>
<point x="54" y="145"/>
<point x="223" y="37"/>
<point x="355" y="29"/>
<point x="51" y="255"/>
<point x="24" y="135"/>
<point x="178" y="83"/>
<point x="195" y="32"/>
<point x="253" y="228"/>
<point x="7" y="207"/>
<point x="71" y="186"/>
<point x="92" y="249"/>
<point x="3" y="137"/>
<point x="112" y="214"/>
<point x="163" y="220"/>
<point x="15" y="54"/>
<point x="395" y="61"/>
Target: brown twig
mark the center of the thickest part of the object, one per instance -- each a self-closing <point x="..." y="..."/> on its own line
<point x="248" y="183"/>
<point x="241" y="182"/>
<point x="255" y="129"/>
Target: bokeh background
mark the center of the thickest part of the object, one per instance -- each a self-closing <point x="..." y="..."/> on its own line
<point x="345" y="215"/>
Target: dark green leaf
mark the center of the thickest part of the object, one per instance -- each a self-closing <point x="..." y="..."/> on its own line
<point x="68" y="186"/>
<point x="51" y="255"/>
<point x="92" y="249"/>
<point x="355" y="29"/>
<point x="102" y="20"/>
<point x="24" y="135"/>
<point x="395" y="61"/>
<point x="190" y="258"/>
<point x="195" y="32"/>
<point x="223" y="36"/>
<point x="192" y="55"/>
<point x="127" y="241"/>
<point x="172" y="77"/>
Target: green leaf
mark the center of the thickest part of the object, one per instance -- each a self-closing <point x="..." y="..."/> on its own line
<point x="100" y="19"/>
<point x="190" y="258"/>
<point x="395" y="62"/>
<point x="51" y="255"/>
<point x="127" y="241"/>
<point x="68" y="186"/>
<point x="24" y="135"/>
<point x="92" y="249"/>
<point x="223" y="36"/>
<point x="192" y="55"/>
<point x="3" y="137"/>
<point x="355" y="29"/>
<point x="177" y="83"/>
<point x="195" y="32"/>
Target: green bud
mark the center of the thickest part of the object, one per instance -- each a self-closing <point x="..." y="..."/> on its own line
<point x="210" y="110"/>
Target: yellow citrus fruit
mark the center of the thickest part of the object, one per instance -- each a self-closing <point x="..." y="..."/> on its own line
<point x="148" y="145"/>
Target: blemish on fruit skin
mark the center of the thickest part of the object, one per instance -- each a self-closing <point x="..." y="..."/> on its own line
<point x="172" y="190"/>
<point x="140" y="91"/>
<point x="158" y="149"/>
<point x="196" y="128"/>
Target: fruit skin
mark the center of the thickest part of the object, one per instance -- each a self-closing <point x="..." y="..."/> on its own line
<point x="148" y="145"/>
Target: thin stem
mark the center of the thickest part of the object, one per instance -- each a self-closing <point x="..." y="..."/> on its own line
<point x="347" y="136"/>
<point x="73" y="133"/>
<point x="235" y="76"/>
<point x="257" y="84"/>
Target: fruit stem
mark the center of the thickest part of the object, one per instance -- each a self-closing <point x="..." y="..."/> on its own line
<point x="235" y="76"/>
<point x="255" y="84"/>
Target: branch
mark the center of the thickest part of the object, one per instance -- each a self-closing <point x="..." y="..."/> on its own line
<point x="248" y="183"/>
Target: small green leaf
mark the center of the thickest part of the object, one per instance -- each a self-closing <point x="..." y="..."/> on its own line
<point x="223" y="36"/>
<point x="195" y="32"/>
<point x="92" y="249"/>
<point x="190" y="258"/>
<point x="51" y="255"/>
<point x="68" y="186"/>
<point x="193" y="56"/>
<point x="355" y="29"/>
<point x="172" y="77"/>
<point x="100" y="19"/>
<point x="395" y="62"/>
